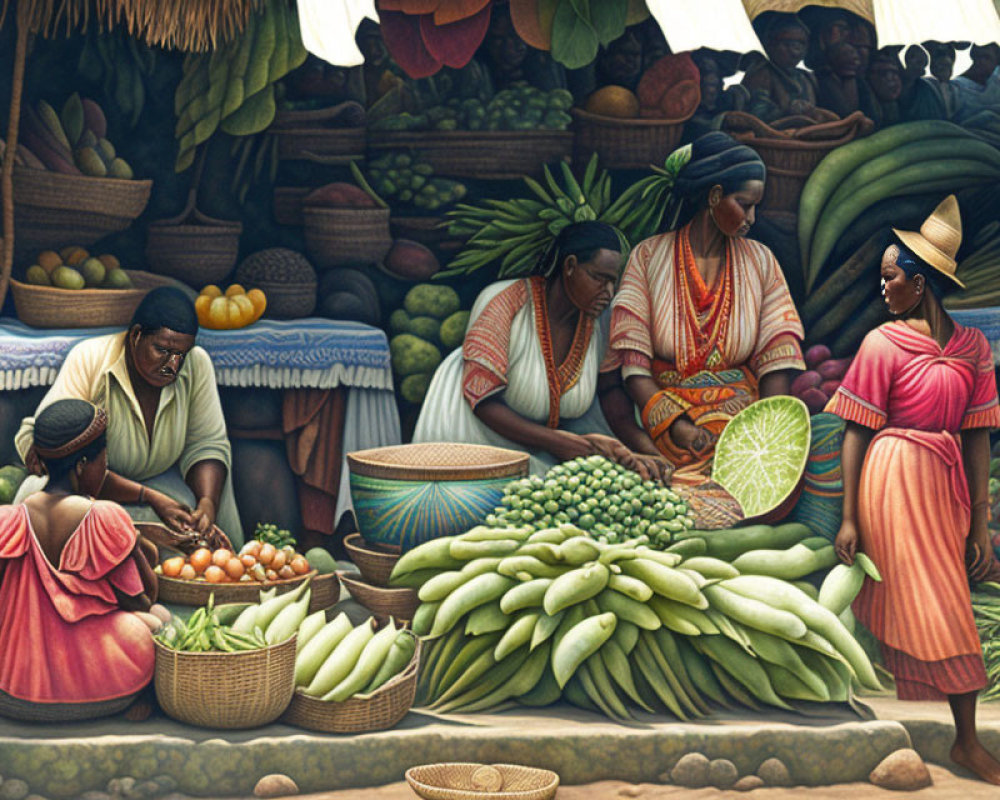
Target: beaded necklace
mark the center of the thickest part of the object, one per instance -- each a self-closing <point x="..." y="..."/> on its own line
<point x="704" y="311"/>
<point x="562" y="378"/>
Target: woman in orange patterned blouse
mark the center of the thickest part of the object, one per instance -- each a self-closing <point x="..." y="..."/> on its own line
<point x="527" y="375"/>
<point x="703" y="324"/>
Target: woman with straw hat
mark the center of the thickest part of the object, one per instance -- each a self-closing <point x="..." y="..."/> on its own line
<point x="919" y="401"/>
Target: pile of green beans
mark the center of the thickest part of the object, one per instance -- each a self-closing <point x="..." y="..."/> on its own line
<point x="204" y="632"/>
<point x="518" y="615"/>
<point x="986" y="609"/>
<point x="607" y="501"/>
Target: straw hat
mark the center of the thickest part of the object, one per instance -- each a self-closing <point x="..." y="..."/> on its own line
<point x="939" y="238"/>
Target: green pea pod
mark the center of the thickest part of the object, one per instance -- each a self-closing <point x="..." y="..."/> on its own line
<point x="470" y="595"/>
<point x="400" y="654"/>
<point x="374" y="654"/>
<point x="423" y="618"/>
<point x="630" y="587"/>
<point x="467" y="551"/>
<point x="579" y="550"/>
<point x="517" y="635"/>
<point x="665" y="581"/>
<point x="755" y="614"/>
<point x="545" y="627"/>
<point x="580" y="642"/>
<point x="341" y="661"/>
<point x="434" y="554"/>
<point x="575" y="586"/>
<point x="531" y="565"/>
<point x="526" y="595"/>
<point x="488" y="618"/>
<point x="315" y="653"/>
<point x="443" y="584"/>
<point x="628" y="609"/>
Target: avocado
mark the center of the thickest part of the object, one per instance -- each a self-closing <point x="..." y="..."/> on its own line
<point x="37" y="276"/>
<point x="93" y="271"/>
<point x="67" y="278"/>
<point x="320" y="560"/>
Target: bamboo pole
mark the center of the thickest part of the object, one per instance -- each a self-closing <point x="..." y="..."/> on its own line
<point x="7" y="175"/>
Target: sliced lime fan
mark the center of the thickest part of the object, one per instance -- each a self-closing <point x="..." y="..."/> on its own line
<point x="761" y="455"/>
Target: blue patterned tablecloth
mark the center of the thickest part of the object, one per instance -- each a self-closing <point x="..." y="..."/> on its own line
<point x="304" y="353"/>
<point x="987" y="320"/>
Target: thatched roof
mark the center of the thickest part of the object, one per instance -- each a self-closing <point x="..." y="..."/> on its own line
<point x="183" y="24"/>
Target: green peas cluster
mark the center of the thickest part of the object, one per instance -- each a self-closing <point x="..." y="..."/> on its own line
<point x="611" y="503"/>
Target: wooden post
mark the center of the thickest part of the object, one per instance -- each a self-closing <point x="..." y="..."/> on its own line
<point x="7" y="175"/>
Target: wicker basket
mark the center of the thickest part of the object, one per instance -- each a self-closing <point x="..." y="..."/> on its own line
<point x="624" y="143"/>
<point x="259" y="685"/>
<point x="323" y="134"/>
<point x="400" y="604"/>
<point x="438" y="461"/>
<point x="287" y="300"/>
<point x="288" y="205"/>
<point x="26" y="711"/>
<point x="325" y="591"/>
<point x="375" y="564"/>
<point x="791" y="155"/>
<point x="336" y="237"/>
<point x="49" y="307"/>
<point x="480" y="154"/>
<point x="378" y="711"/>
<point x="455" y="782"/>
<point x="52" y="210"/>
<point x="195" y="254"/>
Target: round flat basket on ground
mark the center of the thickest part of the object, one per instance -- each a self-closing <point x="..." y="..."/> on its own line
<point x="50" y="307"/>
<point x="624" y="143"/>
<point x="52" y="210"/>
<point x="339" y="236"/>
<point x="383" y="602"/>
<point x="408" y="494"/>
<point x="375" y="564"/>
<point x="463" y="781"/>
<point x="258" y="685"/>
<point x="378" y="711"/>
<point x="195" y="254"/>
<point x="325" y="590"/>
<point x="761" y="455"/>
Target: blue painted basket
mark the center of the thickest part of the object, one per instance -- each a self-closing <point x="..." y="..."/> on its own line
<point x="409" y="494"/>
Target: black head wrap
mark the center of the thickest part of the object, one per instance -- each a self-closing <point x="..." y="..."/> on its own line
<point x="58" y="425"/>
<point x="717" y="159"/>
<point x="166" y="307"/>
<point x="580" y="239"/>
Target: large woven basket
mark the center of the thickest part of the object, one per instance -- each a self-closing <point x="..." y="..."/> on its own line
<point x="400" y="604"/>
<point x="378" y="711"/>
<point x="624" y="143"/>
<point x="791" y="154"/>
<point x="323" y="134"/>
<point x="256" y="685"/>
<point x="480" y="154"/>
<point x="195" y="254"/>
<point x="287" y="300"/>
<point x="375" y="564"/>
<point x="52" y="210"/>
<point x="455" y="781"/>
<point x="49" y="307"/>
<point x="325" y="591"/>
<point x="407" y="494"/>
<point x="339" y="236"/>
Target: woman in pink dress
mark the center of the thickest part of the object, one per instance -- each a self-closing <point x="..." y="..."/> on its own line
<point x="70" y="572"/>
<point x="919" y="400"/>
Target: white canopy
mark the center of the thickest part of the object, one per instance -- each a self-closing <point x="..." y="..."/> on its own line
<point x="328" y="26"/>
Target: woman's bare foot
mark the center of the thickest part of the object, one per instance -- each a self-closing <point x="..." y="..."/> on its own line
<point x="977" y="759"/>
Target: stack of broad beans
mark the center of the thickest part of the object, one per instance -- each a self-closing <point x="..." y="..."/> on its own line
<point x="532" y="616"/>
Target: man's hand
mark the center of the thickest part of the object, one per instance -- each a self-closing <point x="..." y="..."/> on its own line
<point x="203" y="517"/>
<point x="175" y="516"/>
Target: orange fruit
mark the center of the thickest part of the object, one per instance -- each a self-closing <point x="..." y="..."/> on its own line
<point x="235" y="313"/>
<point x="109" y="261"/>
<point x="251" y="548"/>
<point x="613" y="101"/>
<point x="271" y="575"/>
<point x="299" y="565"/>
<point x="218" y="314"/>
<point x="215" y="574"/>
<point x="259" y="300"/>
<point x="286" y="572"/>
<point x="172" y="566"/>
<point x="279" y="560"/>
<point x="211" y="291"/>
<point x="234" y="569"/>
<point x="247" y="560"/>
<point x="187" y="573"/>
<point x="73" y="255"/>
<point x="201" y="306"/>
<point x="266" y="554"/>
<point x="235" y="290"/>
<point x="221" y="557"/>
<point x="247" y="312"/>
<point x="201" y="559"/>
<point x="49" y="260"/>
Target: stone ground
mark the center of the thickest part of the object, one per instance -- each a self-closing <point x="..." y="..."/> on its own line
<point x="947" y="786"/>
